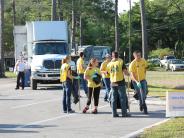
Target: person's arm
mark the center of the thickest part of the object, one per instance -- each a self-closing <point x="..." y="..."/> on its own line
<point x="81" y="64"/>
<point x="146" y="66"/>
<point x="102" y="69"/>
<point x="133" y="77"/>
<point x="132" y="70"/>
<point x="16" y="65"/>
<point x="69" y="75"/>
<point x="86" y="75"/>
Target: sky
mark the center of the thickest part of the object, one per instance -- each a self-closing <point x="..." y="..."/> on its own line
<point x="124" y="5"/>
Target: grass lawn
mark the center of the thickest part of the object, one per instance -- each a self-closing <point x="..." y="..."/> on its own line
<point x="9" y="74"/>
<point x="161" y="82"/>
<point x="173" y="128"/>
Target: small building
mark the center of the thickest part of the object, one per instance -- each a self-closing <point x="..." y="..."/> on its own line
<point x="9" y="60"/>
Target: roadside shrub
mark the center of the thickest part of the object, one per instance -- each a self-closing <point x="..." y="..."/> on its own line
<point x="160" y="53"/>
<point x="152" y="66"/>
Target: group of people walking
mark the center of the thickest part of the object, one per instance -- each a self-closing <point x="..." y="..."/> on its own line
<point x="112" y="72"/>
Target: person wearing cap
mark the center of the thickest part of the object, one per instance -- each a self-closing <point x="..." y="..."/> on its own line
<point x="80" y="71"/>
<point x="20" y="69"/>
<point x="106" y="76"/>
<point x="117" y="69"/>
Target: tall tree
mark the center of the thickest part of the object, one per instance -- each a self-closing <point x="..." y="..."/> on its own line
<point x="144" y="31"/>
<point x="1" y="38"/>
<point x="116" y="27"/>
<point x="54" y="15"/>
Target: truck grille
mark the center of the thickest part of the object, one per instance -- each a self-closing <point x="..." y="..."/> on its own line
<point x="52" y="64"/>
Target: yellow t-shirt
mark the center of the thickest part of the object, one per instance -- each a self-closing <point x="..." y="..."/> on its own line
<point x="115" y="69"/>
<point x="104" y="68"/>
<point x="139" y="67"/>
<point x="80" y="65"/>
<point x="90" y="72"/>
<point x="64" y="72"/>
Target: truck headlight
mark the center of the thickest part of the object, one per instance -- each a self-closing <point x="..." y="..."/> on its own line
<point x="36" y="68"/>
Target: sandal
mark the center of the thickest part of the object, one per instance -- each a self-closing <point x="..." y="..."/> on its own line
<point x="85" y="109"/>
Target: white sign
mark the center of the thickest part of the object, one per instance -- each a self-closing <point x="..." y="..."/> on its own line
<point x="175" y="104"/>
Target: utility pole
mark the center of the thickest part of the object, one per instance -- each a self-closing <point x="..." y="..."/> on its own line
<point x="53" y="13"/>
<point x="1" y="38"/>
<point x="60" y="10"/>
<point x="130" y="30"/>
<point x="144" y="32"/>
<point x="73" y="27"/>
<point x="81" y="24"/>
<point x="81" y="31"/>
<point x="14" y="12"/>
<point x="116" y="27"/>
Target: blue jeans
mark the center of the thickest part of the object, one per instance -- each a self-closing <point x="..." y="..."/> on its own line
<point x="67" y="87"/>
<point x="141" y="92"/>
<point x="107" y="87"/>
<point x="119" y="91"/>
<point x="75" y="88"/>
<point x="84" y="83"/>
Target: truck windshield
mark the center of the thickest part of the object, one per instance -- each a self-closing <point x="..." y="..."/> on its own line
<point x="100" y="52"/>
<point x="50" y="48"/>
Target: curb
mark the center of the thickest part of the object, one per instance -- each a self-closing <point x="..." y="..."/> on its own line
<point x="138" y="132"/>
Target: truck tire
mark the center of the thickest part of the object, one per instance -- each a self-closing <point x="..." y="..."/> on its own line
<point x="33" y="84"/>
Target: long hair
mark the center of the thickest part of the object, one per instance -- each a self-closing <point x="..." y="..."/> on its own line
<point x="66" y="59"/>
<point x="91" y="62"/>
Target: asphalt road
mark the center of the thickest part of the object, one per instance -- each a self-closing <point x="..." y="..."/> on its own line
<point x="38" y="114"/>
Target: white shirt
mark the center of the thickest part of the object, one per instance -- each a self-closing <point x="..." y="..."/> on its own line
<point x="20" y="66"/>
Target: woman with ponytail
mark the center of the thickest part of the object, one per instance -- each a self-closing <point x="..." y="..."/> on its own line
<point x="66" y="78"/>
<point x="93" y="77"/>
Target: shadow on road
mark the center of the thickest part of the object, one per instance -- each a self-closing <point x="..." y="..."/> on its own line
<point x="11" y="128"/>
<point x="17" y="131"/>
<point x="14" y="99"/>
<point x="152" y="114"/>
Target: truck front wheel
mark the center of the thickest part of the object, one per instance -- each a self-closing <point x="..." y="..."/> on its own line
<point x="33" y="84"/>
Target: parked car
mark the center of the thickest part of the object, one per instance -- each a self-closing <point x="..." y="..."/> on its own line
<point x="182" y="59"/>
<point x="155" y="61"/>
<point x="175" y="64"/>
<point x="163" y="62"/>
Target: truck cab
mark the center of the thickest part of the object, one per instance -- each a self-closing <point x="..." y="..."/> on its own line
<point x="46" y="46"/>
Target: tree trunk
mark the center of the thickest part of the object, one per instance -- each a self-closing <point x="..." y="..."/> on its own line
<point x="53" y="13"/>
<point x="60" y="10"/>
<point x="14" y="12"/>
<point x="144" y="31"/>
<point x="73" y="28"/>
<point x="1" y="38"/>
<point x="130" y="31"/>
<point x="116" y="27"/>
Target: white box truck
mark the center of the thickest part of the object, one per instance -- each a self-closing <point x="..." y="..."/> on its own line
<point x="44" y="44"/>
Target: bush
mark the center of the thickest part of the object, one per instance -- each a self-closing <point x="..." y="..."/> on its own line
<point x="152" y="66"/>
<point x="160" y="53"/>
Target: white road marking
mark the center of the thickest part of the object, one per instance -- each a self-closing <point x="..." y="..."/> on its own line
<point x="136" y="133"/>
<point x="54" y="118"/>
<point x="31" y="104"/>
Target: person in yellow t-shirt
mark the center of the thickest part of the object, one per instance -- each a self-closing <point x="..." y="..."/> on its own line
<point x="106" y="76"/>
<point x="117" y="69"/>
<point x="66" y="79"/>
<point x="80" y="71"/>
<point x="92" y="75"/>
<point x="137" y="69"/>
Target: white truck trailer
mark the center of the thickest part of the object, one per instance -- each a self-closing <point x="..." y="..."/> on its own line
<point x="44" y="44"/>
